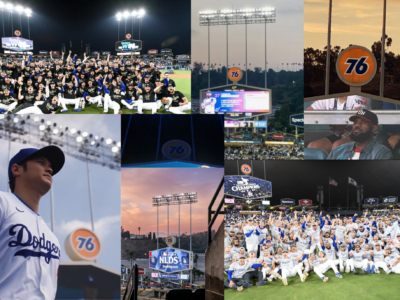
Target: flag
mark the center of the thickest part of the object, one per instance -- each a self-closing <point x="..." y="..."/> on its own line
<point x="352" y="182"/>
<point x="332" y="182"/>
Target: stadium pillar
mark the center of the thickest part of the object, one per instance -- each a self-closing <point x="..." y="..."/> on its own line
<point x="383" y="39"/>
<point x="328" y="50"/>
<point x="179" y="225"/>
<point x="246" y="49"/>
<point x="12" y="24"/>
<point x="90" y="194"/>
<point x="266" y="65"/>
<point x="208" y="53"/>
<point x="157" y="227"/>
<point x="168" y="218"/>
<point x="2" y="17"/>
<point x="227" y="51"/>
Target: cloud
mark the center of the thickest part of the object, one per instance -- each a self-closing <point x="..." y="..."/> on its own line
<point x="102" y="227"/>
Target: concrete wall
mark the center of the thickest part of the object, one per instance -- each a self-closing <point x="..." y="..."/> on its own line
<point x="215" y="267"/>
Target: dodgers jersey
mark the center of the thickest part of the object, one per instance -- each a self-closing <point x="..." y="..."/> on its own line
<point x="30" y="252"/>
<point x="209" y="105"/>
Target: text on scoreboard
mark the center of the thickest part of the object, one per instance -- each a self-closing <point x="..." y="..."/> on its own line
<point x="235" y="101"/>
<point x="171" y="260"/>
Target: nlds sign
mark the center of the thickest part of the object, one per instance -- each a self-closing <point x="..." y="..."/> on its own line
<point x="171" y="260"/>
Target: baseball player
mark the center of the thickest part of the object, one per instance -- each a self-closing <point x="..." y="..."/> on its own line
<point x="30" y="254"/>
<point x="177" y="100"/>
<point x="208" y="104"/>
<point x="236" y="272"/>
<point x="7" y="101"/>
<point x="251" y="233"/>
<point x="359" y="259"/>
<point x="289" y="267"/>
<point x="392" y="259"/>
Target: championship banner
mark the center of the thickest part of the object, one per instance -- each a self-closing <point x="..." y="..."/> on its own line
<point x="390" y="199"/>
<point x="305" y="202"/>
<point x="371" y="201"/>
<point x="171" y="260"/>
<point x="287" y="201"/>
<point x="247" y="187"/>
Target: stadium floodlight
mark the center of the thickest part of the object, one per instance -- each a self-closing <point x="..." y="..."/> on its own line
<point x="141" y="13"/>
<point x="2" y="4"/>
<point x="114" y="149"/>
<point x="134" y="13"/>
<point x="119" y="144"/>
<point x="85" y="134"/>
<point x="126" y="14"/>
<point x="108" y="141"/>
<point x="19" y="9"/>
<point x="42" y="127"/>
<point x="9" y="6"/>
<point x="16" y="120"/>
<point x="48" y="123"/>
<point x="28" y="12"/>
<point x="237" y="17"/>
<point x="119" y="16"/>
<point x="73" y="130"/>
<point x="36" y="119"/>
<point x="55" y="131"/>
<point x="96" y="137"/>
<point x="79" y="139"/>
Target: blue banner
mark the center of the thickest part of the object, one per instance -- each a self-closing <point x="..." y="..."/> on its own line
<point x="297" y="120"/>
<point x="171" y="260"/>
<point x="123" y="270"/>
<point x="371" y="201"/>
<point x="390" y="199"/>
<point x="287" y="201"/>
<point x="247" y="187"/>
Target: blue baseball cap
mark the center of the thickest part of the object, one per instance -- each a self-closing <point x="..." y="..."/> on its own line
<point x="52" y="153"/>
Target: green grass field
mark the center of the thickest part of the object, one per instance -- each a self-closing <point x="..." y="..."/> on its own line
<point x="363" y="287"/>
<point x="183" y="85"/>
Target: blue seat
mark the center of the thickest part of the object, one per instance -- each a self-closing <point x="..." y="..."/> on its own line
<point x="314" y="154"/>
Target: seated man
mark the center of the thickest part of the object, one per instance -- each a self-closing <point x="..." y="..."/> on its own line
<point x="365" y="124"/>
<point x="236" y="272"/>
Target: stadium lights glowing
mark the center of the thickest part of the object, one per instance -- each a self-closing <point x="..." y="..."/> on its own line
<point x="18" y="8"/>
<point x="135" y="13"/>
<point x="108" y="141"/>
<point x="237" y="16"/>
<point x="73" y="130"/>
<point x="79" y="139"/>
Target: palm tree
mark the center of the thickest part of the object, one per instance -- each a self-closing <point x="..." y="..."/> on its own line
<point x="139" y="230"/>
<point x="131" y="256"/>
<point x="195" y="258"/>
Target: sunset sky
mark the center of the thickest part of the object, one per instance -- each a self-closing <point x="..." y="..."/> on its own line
<point x="140" y="185"/>
<point x="354" y="22"/>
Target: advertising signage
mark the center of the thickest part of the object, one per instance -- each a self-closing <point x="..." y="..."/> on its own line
<point x="16" y="44"/>
<point x="247" y="187"/>
<point x="287" y="201"/>
<point x="128" y="46"/>
<point x="390" y="199"/>
<point x="371" y="201"/>
<point x="171" y="260"/>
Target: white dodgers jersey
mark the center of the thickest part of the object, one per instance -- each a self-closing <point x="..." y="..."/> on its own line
<point x="209" y="105"/>
<point x="30" y="252"/>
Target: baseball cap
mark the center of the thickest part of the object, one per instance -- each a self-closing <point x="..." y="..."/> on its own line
<point x="366" y="115"/>
<point x="242" y="256"/>
<point x="52" y="153"/>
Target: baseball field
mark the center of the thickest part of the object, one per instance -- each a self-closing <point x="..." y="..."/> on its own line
<point x="366" y="287"/>
<point x="183" y="84"/>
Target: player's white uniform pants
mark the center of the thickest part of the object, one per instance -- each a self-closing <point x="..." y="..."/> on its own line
<point x="147" y="106"/>
<point x="291" y="272"/>
<point x="130" y="105"/>
<point x="38" y="103"/>
<point x="96" y="99"/>
<point x="321" y="269"/>
<point x="9" y="107"/>
<point x="252" y="247"/>
<point x="360" y="264"/>
<point x="65" y="102"/>
<point x="265" y="271"/>
<point x="180" y="110"/>
<point x="30" y="110"/>
<point x="380" y="264"/>
<point x="348" y="263"/>
<point x="108" y="103"/>
<point x="396" y="269"/>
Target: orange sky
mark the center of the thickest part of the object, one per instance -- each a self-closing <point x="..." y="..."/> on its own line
<point x="356" y="22"/>
<point x="140" y="185"/>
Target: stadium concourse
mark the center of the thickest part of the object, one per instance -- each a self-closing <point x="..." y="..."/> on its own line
<point x="93" y="84"/>
<point x="261" y="152"/>
<point x="284" y="253"/>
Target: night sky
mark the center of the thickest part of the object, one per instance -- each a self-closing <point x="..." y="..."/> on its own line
<point x="55" y="22"/>
<point x="299" y="179"/>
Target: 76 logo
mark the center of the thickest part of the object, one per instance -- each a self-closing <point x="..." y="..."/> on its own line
<point x="86" y="243"/>
<point x="358" y="66"/>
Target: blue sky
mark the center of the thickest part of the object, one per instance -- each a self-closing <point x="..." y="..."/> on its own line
<point x="71" y="195"/>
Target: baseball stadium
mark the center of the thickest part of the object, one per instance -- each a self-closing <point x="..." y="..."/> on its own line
<point x="127" y="72"/>
<point x="337" y="209"/>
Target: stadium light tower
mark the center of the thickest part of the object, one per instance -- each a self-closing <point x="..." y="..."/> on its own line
<point x="10" y="8"/>
<point x="119" y="17"/>
<point x="141" y="14"/>
<point x="134" y="14"/>
<point x="2" y="7"/>
<point x="126" y="16"/>
<point x="176" y="199"/>
<point x="237" y="17"/>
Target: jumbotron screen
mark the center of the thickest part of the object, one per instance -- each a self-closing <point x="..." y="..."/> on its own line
<point x="245" y="124"/>
<point x="235" y="101"/>
<point x="247" y="187"/>
<point x="16" y="44"/>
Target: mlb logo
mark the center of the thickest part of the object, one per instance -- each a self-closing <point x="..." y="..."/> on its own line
<point x="165" y="253"/>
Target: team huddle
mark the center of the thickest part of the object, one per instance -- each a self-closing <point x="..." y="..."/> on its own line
<point x="271" y="247"/>
<point x="42" y="87"/>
